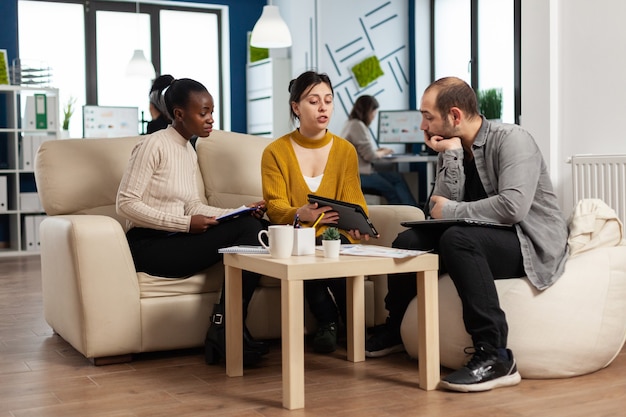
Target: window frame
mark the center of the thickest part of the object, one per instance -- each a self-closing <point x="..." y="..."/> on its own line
<point x="517" y="36"/>
<point x="153" y="8"/>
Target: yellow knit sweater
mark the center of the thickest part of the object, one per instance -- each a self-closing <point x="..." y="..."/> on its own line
<point x="284" y="187"/>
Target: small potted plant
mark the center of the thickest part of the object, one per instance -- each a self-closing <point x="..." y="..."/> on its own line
<point x="331" y="241"/>
<point x="68" y="111"/>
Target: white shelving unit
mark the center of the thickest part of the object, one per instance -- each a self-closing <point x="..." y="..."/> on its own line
<point x="28" y="116"/>
<point x="268" y="97"/>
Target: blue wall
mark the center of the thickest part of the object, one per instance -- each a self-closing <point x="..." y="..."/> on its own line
<point x="243" y="15"/>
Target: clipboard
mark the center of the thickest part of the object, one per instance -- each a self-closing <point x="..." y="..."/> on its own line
<point x="351" y="216"/>
<point x="463" y="221"/>
<point x="235" y="213"/>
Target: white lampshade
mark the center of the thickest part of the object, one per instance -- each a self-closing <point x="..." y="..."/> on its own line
<point x="139" y="66"/>
<point x="270" y="31"/>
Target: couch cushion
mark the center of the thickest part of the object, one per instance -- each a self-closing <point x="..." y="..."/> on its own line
<point x="74" y="175"/>
<point x="81" y="176"/>
<point x="231" y="167"/>
<point x="209" y="280"/>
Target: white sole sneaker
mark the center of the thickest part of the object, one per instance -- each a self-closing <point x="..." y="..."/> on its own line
<point x="385" y="352"/>
<point x="504" y="381"/>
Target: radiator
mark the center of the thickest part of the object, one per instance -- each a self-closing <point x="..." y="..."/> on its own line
<point x="603" y="177"/>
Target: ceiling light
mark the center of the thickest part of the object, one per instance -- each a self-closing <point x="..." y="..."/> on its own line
<point x="139" y="66"/>
<point x="270" y="31"/>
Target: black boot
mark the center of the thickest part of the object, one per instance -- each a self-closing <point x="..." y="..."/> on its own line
<point x="215" y="341"/>
<point x="248" y="341"/>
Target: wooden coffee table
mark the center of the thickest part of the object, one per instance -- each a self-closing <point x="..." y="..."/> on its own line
<point x="292" y="273"/>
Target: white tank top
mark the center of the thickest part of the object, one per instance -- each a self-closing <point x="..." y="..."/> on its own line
<point x="313" y="182"/>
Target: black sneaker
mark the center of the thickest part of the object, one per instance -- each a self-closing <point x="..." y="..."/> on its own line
<point x="485" y="371"/>
<point x="325" y="340"/>
<point x="385" y="341"/>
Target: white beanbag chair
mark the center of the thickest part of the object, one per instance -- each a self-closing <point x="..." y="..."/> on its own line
<point x="575" y="327"/>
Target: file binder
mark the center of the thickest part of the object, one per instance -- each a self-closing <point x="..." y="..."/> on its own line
<point x="4" y="195"/>
<point x="41" y="111"/>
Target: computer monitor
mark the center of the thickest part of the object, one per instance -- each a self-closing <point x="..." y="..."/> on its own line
<point x="399" y="127"/>
<point x="110" y="121"/>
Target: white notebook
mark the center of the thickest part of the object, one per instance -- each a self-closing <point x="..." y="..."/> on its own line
<point x="243" y="249"/>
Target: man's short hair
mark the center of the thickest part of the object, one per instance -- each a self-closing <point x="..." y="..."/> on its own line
<point x="454" y="92"/>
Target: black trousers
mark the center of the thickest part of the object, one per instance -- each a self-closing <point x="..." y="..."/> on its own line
<point x="177" y="255"/>
<point x="474" y="257"/>
<point x="327" y="297"/>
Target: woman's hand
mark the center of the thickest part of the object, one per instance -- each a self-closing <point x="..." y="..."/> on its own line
<point x="260" y="209"/>
<point x="355" y="234"/>
<point x="200" y="223"/>
<point x="382" y="152"/>
<point x="310" y="213"/>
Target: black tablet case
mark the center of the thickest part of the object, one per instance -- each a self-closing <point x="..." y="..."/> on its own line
<point x="351" y="216"/>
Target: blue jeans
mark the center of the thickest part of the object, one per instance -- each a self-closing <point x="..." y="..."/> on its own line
<point x="389" y="184"/>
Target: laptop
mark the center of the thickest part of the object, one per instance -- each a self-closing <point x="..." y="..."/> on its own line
<point x="465" y="221"/>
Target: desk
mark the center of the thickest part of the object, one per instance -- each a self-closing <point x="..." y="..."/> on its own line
<point x="430" y="160"/>
<point x="292" y="273"/>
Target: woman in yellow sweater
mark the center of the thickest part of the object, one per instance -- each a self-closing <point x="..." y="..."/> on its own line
<point x="313" y="160"/>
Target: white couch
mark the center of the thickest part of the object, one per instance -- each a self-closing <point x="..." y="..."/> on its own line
<point x="576" y="326"/>
<point x="94" y="298"/>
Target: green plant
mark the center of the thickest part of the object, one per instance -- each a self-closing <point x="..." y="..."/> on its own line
<point x="490" y="103"/>
<point x="331" y="233"/>
<point x="367" y="71"/>
<point x="68" y="111"/>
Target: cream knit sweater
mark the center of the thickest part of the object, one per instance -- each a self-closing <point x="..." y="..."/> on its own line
<point x="159" y="189"/>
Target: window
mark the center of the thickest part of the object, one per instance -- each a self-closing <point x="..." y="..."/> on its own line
<point x="452" y="31"/>
<point x="89" y="52"/>
<point x="56" y="49"/>
<point x="477" y="41"/>
<point x="496" y="51"/>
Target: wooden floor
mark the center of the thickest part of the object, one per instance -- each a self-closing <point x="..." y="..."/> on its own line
<point x="42" y="375"/>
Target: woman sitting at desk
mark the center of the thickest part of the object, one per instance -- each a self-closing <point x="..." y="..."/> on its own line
<point x="390" y="185"/>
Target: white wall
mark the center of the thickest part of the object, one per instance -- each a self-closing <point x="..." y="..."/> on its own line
<point x="573" y="89"/>
<point x="332" y="36"/>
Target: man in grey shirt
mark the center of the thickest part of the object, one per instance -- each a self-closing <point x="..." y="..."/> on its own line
<point x="489" y="171"/>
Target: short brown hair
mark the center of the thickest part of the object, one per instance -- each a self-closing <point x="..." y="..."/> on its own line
<point x="454" y="92"/>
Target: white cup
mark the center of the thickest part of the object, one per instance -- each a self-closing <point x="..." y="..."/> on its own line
<point x="304" y="241"/>
<point x="280" y="238"/>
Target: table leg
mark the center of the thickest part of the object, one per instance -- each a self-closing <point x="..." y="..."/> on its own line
<point x="292" y="335"/>
<point x="355" y="291"/>
<point x="234" y="321"/>
<point x="428" y="329"/>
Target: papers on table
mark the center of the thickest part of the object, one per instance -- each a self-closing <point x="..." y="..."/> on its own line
<point x="379" y="251"/>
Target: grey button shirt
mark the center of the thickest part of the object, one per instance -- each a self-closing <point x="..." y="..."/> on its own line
<point x="516" y="180"/>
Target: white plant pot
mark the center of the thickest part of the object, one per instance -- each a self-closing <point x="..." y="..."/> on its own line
<point x="331" y="248"/>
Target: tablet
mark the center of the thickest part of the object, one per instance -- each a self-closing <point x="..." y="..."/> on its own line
<point x="351" y="216"/>
<point x="442" y="223"/>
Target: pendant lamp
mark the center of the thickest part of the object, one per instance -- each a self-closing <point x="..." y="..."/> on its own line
<point x="270" y="31"/>
<point x="139" y="66"/>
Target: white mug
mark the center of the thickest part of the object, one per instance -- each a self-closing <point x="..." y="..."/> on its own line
<point x="280" y="238"/>
<point x="304" y="241"/>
